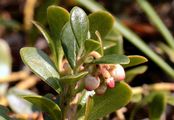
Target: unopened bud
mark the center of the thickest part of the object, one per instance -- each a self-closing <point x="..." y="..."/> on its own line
<point x="106" y="66"/>
<point x="101" y="89"/>
<point x="105" y="73"/>
<point x="81" y="67"/>
<point x="110" y="82"/>
<point x="66" y="67"/>
<point x="118" y="73"/>
<point x="91" y="83"/>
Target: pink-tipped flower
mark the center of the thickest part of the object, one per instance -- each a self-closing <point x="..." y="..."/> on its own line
<point x="91" y="82"/>
<point x="101" y="89"/>
<point x="118" y="73"/>
<point x="110" y="82"/>
<point x="105" y="73"/>
<point x="106" y="66"/>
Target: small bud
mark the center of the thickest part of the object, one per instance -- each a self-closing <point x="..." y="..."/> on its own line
<point x="118" y="73"/>
<point x="106" y="66"/>
<point x="95" y="54"/>
<point x="101" y="89"/>
<point x="91" y="83"/>
<point x="82" y="67"/>
<point x="65" y="66"/>
<point x="105" y="73"/>
<point x="110" y="82"/>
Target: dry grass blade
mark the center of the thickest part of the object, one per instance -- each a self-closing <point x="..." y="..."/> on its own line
<point x="28" y="82"/>
<point x="15" y="76"/>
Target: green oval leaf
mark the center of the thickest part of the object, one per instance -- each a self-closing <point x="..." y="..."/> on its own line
<point x="135" y="60"/>
<point x="80" y="25"/>
<point x="101" y="21"/>
<point x="112" y="100"/>
<point x="91" y="45"/>
<point x="69" y="79"/>
<point x="57" y="17"/>
<point x="115" y="37"/>
<point x="69" y="44"/>
<point x="41" y="65"/>
<point x="132" y="73"/>
<point x="157" y="106"/>
<point x="112" y="59"/>
<point x="45" y="105"/>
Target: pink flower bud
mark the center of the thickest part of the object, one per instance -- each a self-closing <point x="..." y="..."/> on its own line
<point x="118" y="73"/>
<point x="105" y="73"/>
<point x="110" y="82"/>
<point x="101" y="89"/>
<point x="106" y="66"/>
<point x="81" y="67"/>
<point x="91" y="83"/>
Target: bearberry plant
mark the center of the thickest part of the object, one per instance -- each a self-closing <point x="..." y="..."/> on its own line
<point x="85" y="68"/>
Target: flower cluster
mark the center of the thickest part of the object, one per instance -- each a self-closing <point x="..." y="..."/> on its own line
<point x="105" y="77"/>
<point x="101" y="76"/>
